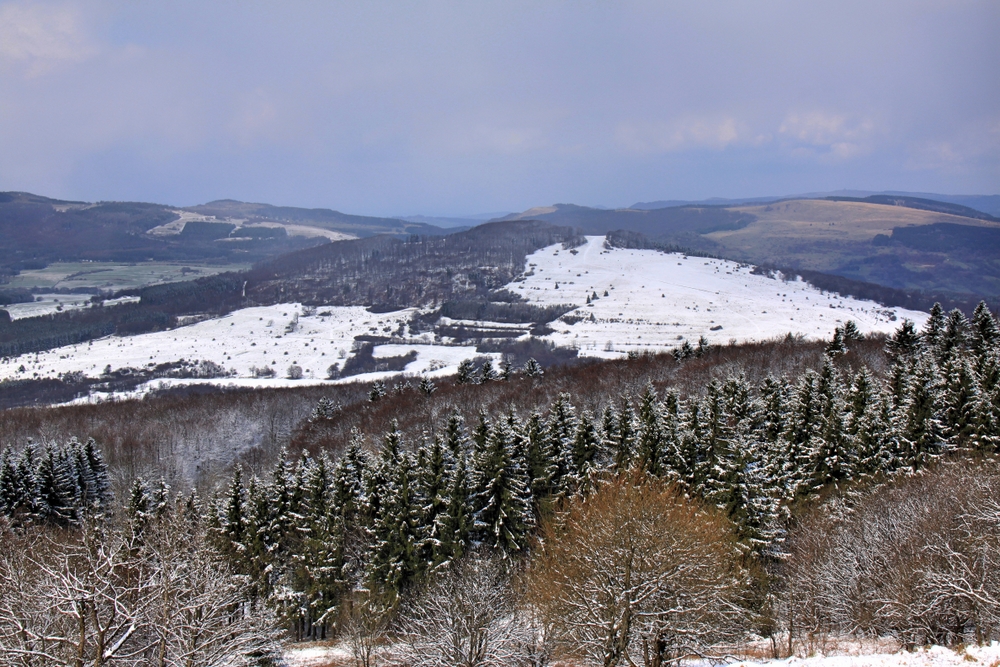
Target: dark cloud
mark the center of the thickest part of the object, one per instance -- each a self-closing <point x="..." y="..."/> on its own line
<point x="448" y="108"/>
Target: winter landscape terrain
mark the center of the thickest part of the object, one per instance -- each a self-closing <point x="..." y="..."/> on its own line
<point x="623" y="300"/>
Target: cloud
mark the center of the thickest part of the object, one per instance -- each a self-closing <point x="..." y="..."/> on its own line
<point x="826" y="135"/>
<point x="690" y="133"/>
<point x="966" y="148"/>
<point x="38" y="37"/>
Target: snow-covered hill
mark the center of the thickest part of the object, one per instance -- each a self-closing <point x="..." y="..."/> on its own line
<point x="650" y="300"/>
<point x="639" y="300"/>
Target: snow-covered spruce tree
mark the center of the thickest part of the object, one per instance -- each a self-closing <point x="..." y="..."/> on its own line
<point x="377" y="391"/>
<point x="904" y="342"/>
<point x="805" y="430"/>
<point x="396" y="532"/>
<point x="454" y="529"/>
<point x="230" y="526"/>
<point x="587" y="453"/>
<point x="719" y="468"/>
<point x="56" y="490"/>
<point x="502" y="503"/>
<point x="536" y="457"/>
<point x="678" y="462"/>
<point x="964" y="411"/>
<point x="532" y="369"/>
<point x="426" y="386"/>
<point x="325" y="409"/>
<point x="934" y="328"/>
<point x="955" y="339"/>
<point x="10" y="484"/>
<point x="984" y="334"/>
<point x="100" y="493"/>
<point x="487" y="372"/>
<point x="466" y="373"/>
<point x="560" y="431"/>
<point x="869" y="427"/>
<point x="650" y="440"/>
<point x="435" y="468"/>
<point x="834" y="460"/>
<point x="623" y="440"/>
<point x="919" y="417"/>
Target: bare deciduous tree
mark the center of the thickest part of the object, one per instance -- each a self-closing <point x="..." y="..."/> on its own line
<point x="466" y="617"/>
<point x="110" y="595"/>
<point x="634" y="573"/>
<point x="917" y="559"/>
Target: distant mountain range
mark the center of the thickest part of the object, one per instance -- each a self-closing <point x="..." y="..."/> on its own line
<point x="899" y="241"/>
<point x="937" y="244"/>
<point x="986" y="203"/>
<point x="36" y="231"/>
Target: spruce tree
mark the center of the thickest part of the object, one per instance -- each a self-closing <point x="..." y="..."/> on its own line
<point x="56" y="489"/>
<point x="560" y="431"/>
<point x="955" y="339"/>
<point x="921" y="430"/>
<point x="100" y="493"/>
<point x="466" y="372"/>
<point x="502" y="501"/>
<point x="984" y="334"/>
<point x="622" y="445"/>
<point x="650" y="440"/>
<point x="934" y="328"/>
<point x="904" y="342"/>
<point x="587" y="447"/>
<point x="833" y="461"/>
<point x="454" y="528"/>
<point x="11" y="493"/>
<point x="486" y="372"/>
<point x="434" y="470"/>
<point x="395" y="562"/>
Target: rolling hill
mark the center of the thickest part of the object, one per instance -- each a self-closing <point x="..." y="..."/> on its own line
<point x="867" y="240"/>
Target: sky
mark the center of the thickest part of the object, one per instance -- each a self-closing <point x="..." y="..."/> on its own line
<point x="454" y="108"/>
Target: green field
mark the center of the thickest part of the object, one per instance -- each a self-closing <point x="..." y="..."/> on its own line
<point x="112" y="276"/>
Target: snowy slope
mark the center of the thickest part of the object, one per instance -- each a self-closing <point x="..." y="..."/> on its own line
<point x="272" y="336"/>
<point x="657" y="300"/>
<point x="645" y="300"/>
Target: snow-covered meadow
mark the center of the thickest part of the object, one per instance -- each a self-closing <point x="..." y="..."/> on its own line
<point x="46" y="304"/>
<point x="639" y="300"/>
<point x="650" y="300"/>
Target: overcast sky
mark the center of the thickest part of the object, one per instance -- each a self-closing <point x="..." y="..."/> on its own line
<point x="448" y="108"/>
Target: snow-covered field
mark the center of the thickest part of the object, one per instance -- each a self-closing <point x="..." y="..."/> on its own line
<point x="46" y="304"/>
<point x="656" y="300"/>
<point x="639" y="300"/>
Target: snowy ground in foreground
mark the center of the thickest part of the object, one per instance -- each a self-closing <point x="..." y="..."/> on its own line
<point x="655" y="301"/>
<point x="935" y="656"/>
<point x="323" y="655"/>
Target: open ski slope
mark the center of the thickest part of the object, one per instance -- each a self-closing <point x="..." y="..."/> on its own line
<point x="650" y="300"/>
<point x="640" y="300"/>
